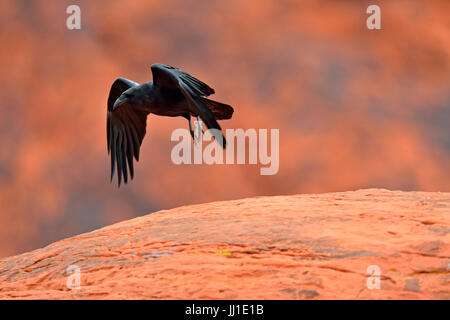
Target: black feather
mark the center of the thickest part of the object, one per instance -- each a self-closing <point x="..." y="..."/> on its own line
<point x="108" y="132"/>
<point x="119" y="157"/>
<point x="124" y="158"/>
<point x="113" y="153"/>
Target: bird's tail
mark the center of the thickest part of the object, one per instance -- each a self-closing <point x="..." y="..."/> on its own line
<point x="221" y="111"/>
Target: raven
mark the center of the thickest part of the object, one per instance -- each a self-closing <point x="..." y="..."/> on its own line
<point x="172" y="93"/>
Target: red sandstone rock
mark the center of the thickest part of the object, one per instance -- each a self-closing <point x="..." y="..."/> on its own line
<point x="286" y="247"/>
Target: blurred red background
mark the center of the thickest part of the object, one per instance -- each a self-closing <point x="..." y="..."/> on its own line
<point x="356" y="108"/>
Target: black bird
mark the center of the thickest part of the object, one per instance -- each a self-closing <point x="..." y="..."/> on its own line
<point x="172" y="93"/>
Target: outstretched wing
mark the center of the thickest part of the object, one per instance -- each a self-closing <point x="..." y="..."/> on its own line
<point x="193" y="89"/>
<point x="126" y="129"/>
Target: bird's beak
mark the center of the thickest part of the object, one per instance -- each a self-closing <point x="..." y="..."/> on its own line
<point x="121" y="100"/>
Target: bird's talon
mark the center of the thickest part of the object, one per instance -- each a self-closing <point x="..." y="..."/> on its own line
<point x="198" y="127"/>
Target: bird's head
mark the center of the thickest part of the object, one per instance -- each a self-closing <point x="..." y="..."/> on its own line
<point x="125" y="98"/>
<point x="135" y="97"/>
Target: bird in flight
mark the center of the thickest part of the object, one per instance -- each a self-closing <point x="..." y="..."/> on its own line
<point x="172" y="93"/>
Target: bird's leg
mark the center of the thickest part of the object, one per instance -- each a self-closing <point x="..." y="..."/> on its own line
<point x="188" y="118"/>
<point x="199" y="128"/>
<point x="190" y="128"/>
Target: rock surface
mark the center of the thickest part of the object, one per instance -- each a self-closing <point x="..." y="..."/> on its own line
<point x="318" y="246"/>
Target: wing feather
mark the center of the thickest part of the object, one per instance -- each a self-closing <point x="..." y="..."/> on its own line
<point x="126" y="129"/>
<point x="166" y="76"/>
